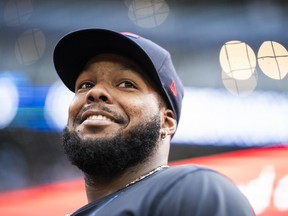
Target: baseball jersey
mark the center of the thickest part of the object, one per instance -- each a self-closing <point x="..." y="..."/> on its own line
<point x="177" y="191"/>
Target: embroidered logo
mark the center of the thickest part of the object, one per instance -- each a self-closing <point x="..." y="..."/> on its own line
<point x="173" y="88"/>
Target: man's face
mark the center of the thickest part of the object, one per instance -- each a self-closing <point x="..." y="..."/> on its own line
<point x="110" y="96"/>
<point x="113" y="105"/>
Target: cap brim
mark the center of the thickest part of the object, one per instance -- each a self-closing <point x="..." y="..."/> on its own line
<point x="74" y="50"/>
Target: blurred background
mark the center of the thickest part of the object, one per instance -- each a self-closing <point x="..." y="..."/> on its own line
<point x="231" y="56"/>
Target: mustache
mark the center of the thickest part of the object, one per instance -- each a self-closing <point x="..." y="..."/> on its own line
<point x="118" y="118"/>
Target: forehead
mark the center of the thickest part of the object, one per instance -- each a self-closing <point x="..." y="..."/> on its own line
<point x="124" y="63"/>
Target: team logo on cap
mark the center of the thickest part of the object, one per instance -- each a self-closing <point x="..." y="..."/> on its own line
<point x="173" y="88"/>
<point x="129" y="34"/>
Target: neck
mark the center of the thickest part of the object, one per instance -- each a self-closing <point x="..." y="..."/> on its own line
<point x="99" y="187"/>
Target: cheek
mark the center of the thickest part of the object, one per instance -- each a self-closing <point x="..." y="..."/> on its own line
<point x="143" y="108"/>
<point x="74" y="108"/>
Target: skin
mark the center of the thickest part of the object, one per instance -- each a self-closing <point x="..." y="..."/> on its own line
<point x="115" y="82"/>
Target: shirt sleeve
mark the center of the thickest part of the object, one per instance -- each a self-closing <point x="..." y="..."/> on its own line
<point x="202" y="193"/>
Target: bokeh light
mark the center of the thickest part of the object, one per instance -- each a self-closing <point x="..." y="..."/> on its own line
<point x="30" y="46"/>
<point x="56" y="105"/>
<point x="9" y="98"/>
<point x="237" y="60"/>
<point x="241" y="88"/>
<point x="273" y="59"/>
<point x="17" y="12"/>
<point x="147" y="13"/>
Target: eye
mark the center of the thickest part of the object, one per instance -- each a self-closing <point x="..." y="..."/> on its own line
<point x="127" y="84"/>
<point x="85" y="85"/>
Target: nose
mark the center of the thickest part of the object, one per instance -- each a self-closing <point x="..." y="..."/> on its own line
<point x="98" y="93"/>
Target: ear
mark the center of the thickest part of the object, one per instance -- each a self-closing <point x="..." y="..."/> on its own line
<point x="169" y="122"/>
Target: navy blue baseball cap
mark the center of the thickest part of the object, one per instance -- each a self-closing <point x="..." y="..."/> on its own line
<point x="75" y="49"/>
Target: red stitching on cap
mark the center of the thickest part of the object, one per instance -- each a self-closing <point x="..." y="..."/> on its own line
<point x="173" y="88"/>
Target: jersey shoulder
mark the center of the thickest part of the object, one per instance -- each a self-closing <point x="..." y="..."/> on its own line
<point x="203" y="191"/>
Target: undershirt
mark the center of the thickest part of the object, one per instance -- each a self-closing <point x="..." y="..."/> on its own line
<point x="177" y="191"/>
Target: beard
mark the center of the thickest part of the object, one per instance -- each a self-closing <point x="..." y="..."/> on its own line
<point x="110" y="157"/>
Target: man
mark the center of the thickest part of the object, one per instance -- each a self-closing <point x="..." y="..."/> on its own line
<point x="125" y="111"/>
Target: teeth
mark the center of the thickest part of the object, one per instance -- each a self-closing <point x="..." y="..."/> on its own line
<point x="98" y="117"/>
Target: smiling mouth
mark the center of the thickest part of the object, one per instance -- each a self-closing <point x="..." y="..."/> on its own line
<point x="99" y="118"/>
<point x="93" y="115"/>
